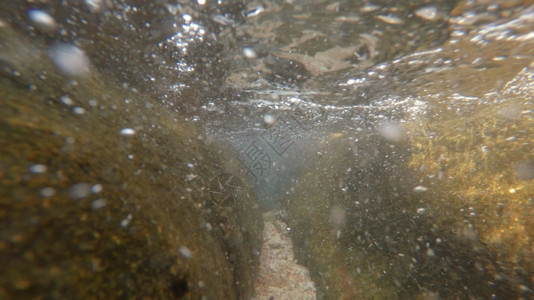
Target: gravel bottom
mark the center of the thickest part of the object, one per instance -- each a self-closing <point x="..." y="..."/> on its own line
<point x="280" y="277"/>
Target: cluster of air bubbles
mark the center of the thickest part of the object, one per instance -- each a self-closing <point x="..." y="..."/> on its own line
<point x="77" y="191"/>
<point x="126" y="220"/>
<point x="187" y="34"/>
<point x="353" y="81"/>
<point x="67" y="100"/>
<point x="498" y="32"/>
<point x="190" y="32"/>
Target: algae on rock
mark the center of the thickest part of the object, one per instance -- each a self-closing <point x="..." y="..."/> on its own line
<point x="406" y="231"/>
<point x="444" y="210"/>
<point x="105" y="193"/>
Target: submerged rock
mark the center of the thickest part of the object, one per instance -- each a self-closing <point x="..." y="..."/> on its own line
<point x="361" y="225"/>
<point x="446" y="210"/>
<point x="114" y="202"/>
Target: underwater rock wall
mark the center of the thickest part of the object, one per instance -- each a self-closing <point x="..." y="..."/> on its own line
<point x="106" y="193"/>
<point x="436" y="206"/>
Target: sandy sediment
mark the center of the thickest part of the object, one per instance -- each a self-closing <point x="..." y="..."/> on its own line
<point x="280" y="277"/>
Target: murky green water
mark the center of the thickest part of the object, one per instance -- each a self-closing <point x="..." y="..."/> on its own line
<point x="140" y="142"/>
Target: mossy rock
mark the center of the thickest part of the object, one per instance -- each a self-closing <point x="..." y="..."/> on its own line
<point x="108" y="215"/>
<point x="442" y="213"/>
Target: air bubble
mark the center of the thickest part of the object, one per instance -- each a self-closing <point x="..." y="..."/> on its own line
<point x="249" y="53"/>
<point x="127" y="131"/>
<point x="66" y="100"/>
<point x="38" y="169"/>
<point x="42" y="20"/>
<point x="92" y="102"/>
<point x="97" y="204"/>
<point x="420" y="189"/>
<point x="126" y="221"/>
<point x="47" y="192"/>
<point x="187" y="18"/>
<point x="78" y="110"/>
<point x="97" y="188"/>
<point x="392" y="132"/>
<point x="70" y="59"/>
<point x="269" y="120"/>
<point x="80" y="190"/>
<point x="185" y="252"/>
<point x="208" y="227"/>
